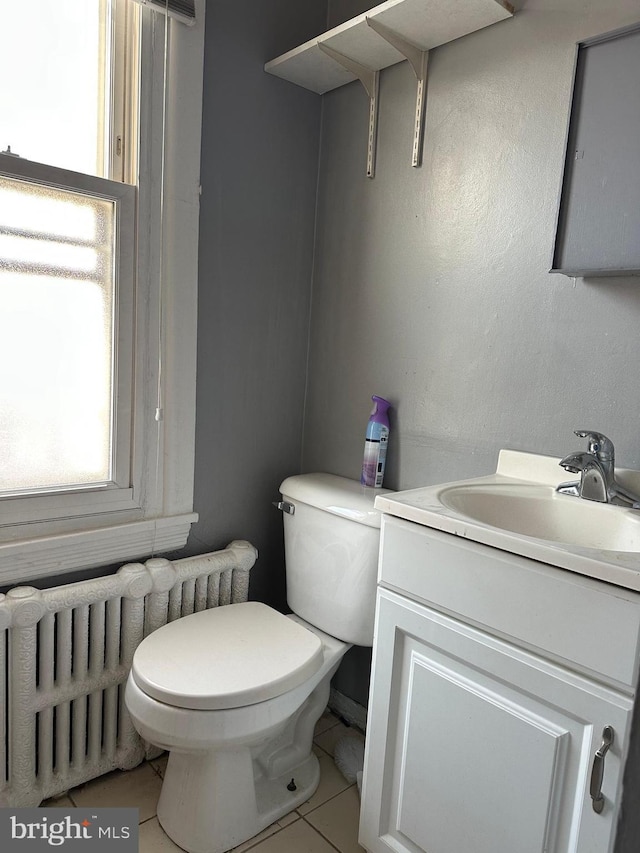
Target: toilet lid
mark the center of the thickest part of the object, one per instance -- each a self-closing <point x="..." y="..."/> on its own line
<point x="226" y="657"/>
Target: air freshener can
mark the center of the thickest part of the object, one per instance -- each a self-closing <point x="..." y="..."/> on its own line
<point x="375" y="444"/>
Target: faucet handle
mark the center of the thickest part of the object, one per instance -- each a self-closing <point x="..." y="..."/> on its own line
<point x="576" y="462"/>
<point x="599" y="444"/>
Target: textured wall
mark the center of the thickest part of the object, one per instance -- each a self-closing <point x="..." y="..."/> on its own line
<point x="431" y="285"/>
<point x="342" y="10"/>
<point x="259" y="172"/>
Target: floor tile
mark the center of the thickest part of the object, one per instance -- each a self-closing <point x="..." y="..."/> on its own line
<point x="138" y="788"/>
<point x="250" y="844"/>
<point x="326" y="721"/>
<point x="299" y="837"/>
<point x="337" y="820"/>
<point x="63" y="802"/>
<point x="328" y="739"/>
<point x="332" y="782"/>
<point x="152" y="839"/>
<point x="160" y="764"/>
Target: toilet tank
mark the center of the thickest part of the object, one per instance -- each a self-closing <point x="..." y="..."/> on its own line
<point x="331" y="547"/>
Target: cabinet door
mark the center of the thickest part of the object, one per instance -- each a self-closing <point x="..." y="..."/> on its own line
<point x="476" y="746"/>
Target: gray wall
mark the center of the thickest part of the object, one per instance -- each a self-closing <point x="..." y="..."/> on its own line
<point x="259" y="172"/>
<point x="431" y="285"/>
<point x="342" y="10"/>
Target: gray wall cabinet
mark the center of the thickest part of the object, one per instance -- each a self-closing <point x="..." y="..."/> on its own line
<point x="599" y="218"/>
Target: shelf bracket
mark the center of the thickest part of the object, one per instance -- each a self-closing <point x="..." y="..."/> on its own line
<point x="418" y="60"/>
<point x="370" y="79"/>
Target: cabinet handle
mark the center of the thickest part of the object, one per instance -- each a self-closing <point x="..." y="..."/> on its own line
<point x="597" y="771"/>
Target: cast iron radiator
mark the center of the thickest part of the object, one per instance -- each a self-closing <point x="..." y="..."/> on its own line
<point x="65" y="654"/>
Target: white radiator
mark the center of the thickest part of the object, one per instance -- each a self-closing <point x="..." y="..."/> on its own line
<point x="65" y="654"/>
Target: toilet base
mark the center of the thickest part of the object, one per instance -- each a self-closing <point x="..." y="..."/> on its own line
<point x="243" y="805"/>
<point x="273" y="803"/>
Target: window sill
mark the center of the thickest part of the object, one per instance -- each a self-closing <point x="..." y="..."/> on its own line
<point x="28" y="559"/>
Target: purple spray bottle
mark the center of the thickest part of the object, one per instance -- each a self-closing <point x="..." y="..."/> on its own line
<point x="375" y="445"/>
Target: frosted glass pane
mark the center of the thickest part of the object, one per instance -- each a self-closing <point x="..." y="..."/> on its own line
<point x="28" y="208"/>
<point x="56" y="343"/>
<point x="53" y="96"/>
<point x="62" y="255"/>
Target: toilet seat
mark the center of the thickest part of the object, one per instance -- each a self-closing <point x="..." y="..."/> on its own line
<point x="226" y="657"/>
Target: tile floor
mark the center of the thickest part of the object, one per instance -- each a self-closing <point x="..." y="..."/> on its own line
<point x="325" y="823"/>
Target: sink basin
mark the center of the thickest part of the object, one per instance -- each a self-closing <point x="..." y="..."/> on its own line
<point x="517" y="509"/>
<point x="539" y="511"/>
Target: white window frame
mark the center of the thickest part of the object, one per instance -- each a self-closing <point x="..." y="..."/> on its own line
<point x="154" y="511"/>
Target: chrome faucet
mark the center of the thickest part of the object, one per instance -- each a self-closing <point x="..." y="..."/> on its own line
<point x="597" y="473"/>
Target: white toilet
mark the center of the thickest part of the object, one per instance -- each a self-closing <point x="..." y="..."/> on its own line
<point x="234" y="692"/>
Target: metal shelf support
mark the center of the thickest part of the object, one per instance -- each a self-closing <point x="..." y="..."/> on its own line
<point x="418" y="59"/>
<point x="371" y="81"/>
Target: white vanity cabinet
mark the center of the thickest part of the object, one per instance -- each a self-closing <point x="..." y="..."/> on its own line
<point x="494" y="679"/>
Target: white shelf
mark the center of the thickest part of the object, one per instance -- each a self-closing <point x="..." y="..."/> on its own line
<point x="423" y="23"/>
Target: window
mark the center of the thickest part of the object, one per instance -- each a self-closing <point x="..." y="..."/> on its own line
<point x="95" y="461"/>
<point x="66" y="291"/>
<point x="54" y="63"/>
